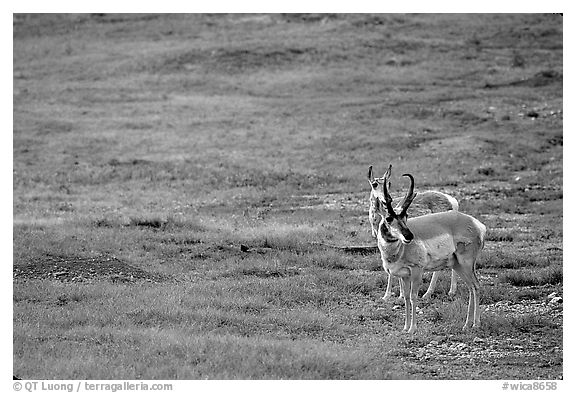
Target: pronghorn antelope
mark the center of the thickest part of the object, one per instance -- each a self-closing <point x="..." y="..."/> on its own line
<point x="428" y="243"/>
<point x="432" y="201"/>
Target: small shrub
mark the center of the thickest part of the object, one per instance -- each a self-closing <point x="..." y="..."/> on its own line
<point x="530" y="322"/>
<point x="498" y="235"/>
<point x="474" y="42"/>
<point x="518" y="61"/>
<point x="493" y="324"/>
<point x="453" y="312"/>
<point x="153" y="221"/>
<point x="489" y="171"/>
<point x="523" y="278"/>
<point x="495" y="293"/>
<point x="149" y="222"/>
<point x="530" y="294"/>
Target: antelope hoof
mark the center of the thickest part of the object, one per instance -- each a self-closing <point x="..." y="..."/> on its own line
<point x="452" y="293"/>
<point x="412" y="330"/>
<point x="387" y="297"/>
<point x="427" y="296"/>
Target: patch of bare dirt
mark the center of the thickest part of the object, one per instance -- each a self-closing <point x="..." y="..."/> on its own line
<point x="481" y="349"/>
<point x="79" y="269"/>
<point x="529" y="356"/>
<point x="533" y="349"/>
<point x="551" y="308"/>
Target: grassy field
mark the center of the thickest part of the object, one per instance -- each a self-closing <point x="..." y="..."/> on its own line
<point x="179" y="180"/>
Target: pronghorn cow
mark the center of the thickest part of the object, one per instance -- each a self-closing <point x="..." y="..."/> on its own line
<point x="428" y="202"/>
<point x="409" y="247"/>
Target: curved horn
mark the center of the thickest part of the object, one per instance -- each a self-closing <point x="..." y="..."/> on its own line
<point x="387" y="197"/>
<point x="409" y="195"/>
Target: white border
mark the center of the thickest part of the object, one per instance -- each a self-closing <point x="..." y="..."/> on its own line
<point x="293" y="6"/>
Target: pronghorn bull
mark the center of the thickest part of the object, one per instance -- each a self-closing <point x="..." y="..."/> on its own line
<point x="430" y="201"/>
<point x="409" y="247"/>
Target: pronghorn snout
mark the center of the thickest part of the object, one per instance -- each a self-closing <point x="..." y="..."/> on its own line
<point x="407" y="238"/>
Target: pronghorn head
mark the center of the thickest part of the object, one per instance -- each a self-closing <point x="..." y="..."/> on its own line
<point x="376" y="194"/>
<point x="393" y="225"/>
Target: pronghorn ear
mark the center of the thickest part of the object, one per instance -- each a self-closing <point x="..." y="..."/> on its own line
<point x="388" y="172"/>
<point x="371" y="180"/>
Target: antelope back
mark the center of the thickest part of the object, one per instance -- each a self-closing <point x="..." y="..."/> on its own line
<point x="457" y="226"/>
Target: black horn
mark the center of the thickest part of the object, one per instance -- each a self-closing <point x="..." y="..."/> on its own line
<point x="387" y="197"/>
<point x="410" y="195"/>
